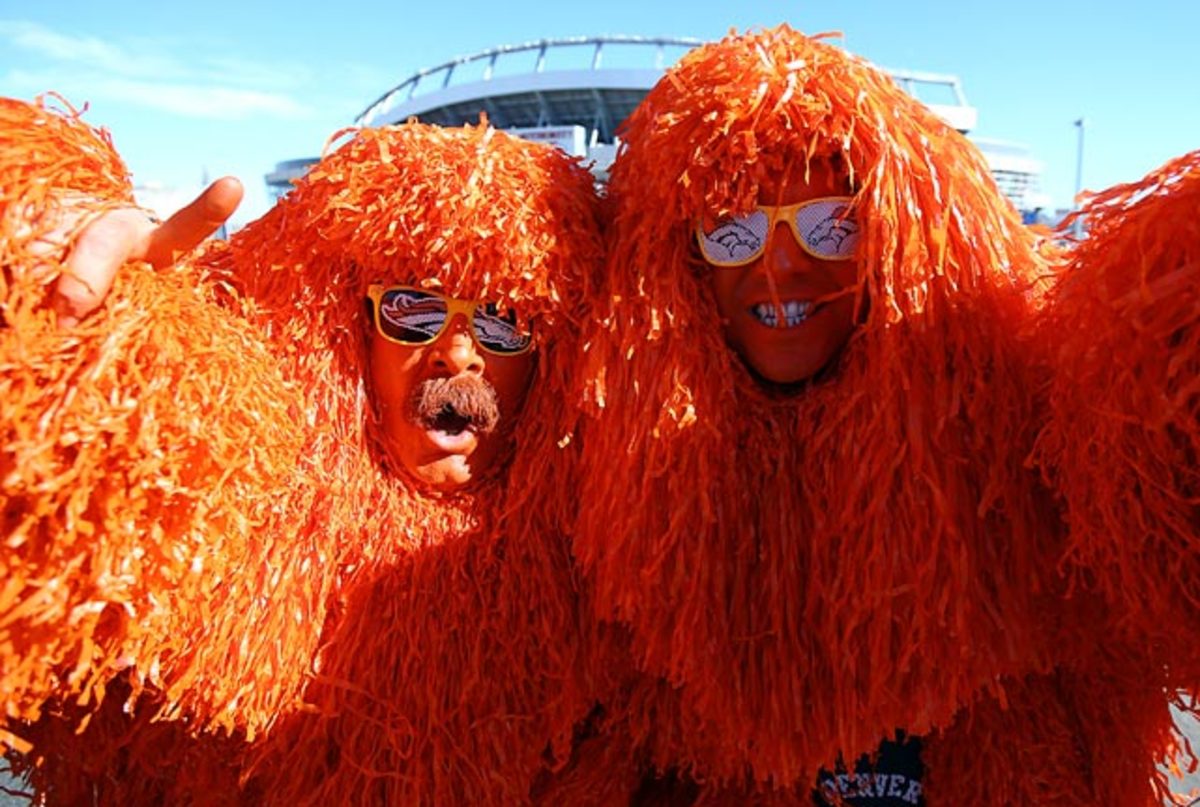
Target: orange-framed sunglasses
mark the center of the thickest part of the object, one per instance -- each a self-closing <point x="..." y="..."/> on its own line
<point x="825" y="228"/>
<point x="411" y="316"/>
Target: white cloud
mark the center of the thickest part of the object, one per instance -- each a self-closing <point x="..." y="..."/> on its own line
<point x="83" y="50"/>
<point x="238" y="70"/>
<point x="222" y="103"/>
<point x="223" y="88"/>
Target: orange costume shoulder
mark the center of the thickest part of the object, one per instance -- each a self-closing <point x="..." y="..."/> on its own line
<point x="1122" y="441"/>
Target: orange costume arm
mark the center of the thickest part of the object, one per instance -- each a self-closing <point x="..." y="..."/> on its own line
<point x="1122" y="445"/>
<point x="1077" y="737"/>
<point x="143" y="453"/>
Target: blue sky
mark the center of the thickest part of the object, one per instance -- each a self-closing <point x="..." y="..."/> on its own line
<point x="219" y="87"/>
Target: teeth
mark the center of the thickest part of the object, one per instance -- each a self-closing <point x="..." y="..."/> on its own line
<point x="794" y="312"/>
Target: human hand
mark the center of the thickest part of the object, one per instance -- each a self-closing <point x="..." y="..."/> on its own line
<point x="129" y="234"/>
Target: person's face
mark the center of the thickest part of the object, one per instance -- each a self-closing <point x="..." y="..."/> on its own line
<point x="817" y="296"/>
<point x="446" y="407"/>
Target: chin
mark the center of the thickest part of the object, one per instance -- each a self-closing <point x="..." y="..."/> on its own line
<point x="446" y="474"/>
<point x="789" y="372"/>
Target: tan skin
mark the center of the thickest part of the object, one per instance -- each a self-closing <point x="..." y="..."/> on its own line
<point x="435" y="459"/>
<point x="783" y="355"/>
<point x="128" y="234"/>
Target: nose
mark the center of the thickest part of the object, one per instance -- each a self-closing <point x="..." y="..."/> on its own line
<point x="454" y="351"/>
<point x="784" y="254"/>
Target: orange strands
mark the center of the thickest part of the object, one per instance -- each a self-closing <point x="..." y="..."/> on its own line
<point x="813" y="568"/>
<point x="1123" y="439"/>
<point x="1073" y="738"/>
<point x="250" y="554"/>
<point x="124" y="494"/>
<point x="450" y="666"/>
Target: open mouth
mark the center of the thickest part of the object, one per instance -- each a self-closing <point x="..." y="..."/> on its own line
<point x="463" y="406"/>
<point x="450" y="420"/>
<point x="795" y="312"/>
<point x="453" y="429"/>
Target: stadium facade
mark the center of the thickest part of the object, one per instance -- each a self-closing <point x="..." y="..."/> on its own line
<point x="575" y="92"/>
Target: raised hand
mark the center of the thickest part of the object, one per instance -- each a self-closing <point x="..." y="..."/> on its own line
<point x="129" y="234"/>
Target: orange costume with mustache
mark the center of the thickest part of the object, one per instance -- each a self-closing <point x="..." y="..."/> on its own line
<point x="803" y="570"/>
<point x="195" y="496"/>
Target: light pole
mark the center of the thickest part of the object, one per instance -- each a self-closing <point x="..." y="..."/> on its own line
<point x="1079" y="124"/>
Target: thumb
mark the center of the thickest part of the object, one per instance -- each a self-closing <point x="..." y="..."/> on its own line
<point x="98" y="252"/>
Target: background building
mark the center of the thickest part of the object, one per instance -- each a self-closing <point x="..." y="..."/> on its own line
<point x="575" y="92"/>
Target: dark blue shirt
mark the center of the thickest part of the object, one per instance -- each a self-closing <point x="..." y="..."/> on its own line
<point x="892" y="779"/>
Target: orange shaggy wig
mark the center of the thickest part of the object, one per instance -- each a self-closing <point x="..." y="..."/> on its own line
<point x="810" y="570"/>
<point x="253" y="356"/>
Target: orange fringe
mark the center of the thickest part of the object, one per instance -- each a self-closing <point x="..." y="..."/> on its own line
<point x="811" y="572"/>
<point x="1070" y="739"/>
<point x="123" y="493"/>
<point x="281" y="526"/>
<point x="1122" y="445"/>
<point x="767" y="580"/>
<point x="106" y="755"/>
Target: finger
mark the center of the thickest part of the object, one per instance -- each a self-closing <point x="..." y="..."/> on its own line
<point x="98" y="252"/>
<point x="191" y="225"/>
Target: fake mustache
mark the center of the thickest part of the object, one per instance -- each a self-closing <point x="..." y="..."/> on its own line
<point x="457" y="403"/>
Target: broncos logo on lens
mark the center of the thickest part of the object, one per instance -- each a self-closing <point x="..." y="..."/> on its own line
<point x="416" y="317"/>
<point x="412" y="316"/>
<point x="732" y="240"/>
<point x="831" y="233"/>
<point x="499" y="333"/>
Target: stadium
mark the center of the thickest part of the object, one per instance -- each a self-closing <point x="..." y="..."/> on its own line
<point x="575" y="92"/>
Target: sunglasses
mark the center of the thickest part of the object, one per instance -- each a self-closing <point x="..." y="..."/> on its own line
<point x="409" y="316"/>
<point x="825" y="228"/>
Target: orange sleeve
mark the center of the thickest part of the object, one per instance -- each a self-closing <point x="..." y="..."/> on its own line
<point x="149" y="475"/>
<point x="1123" y="436"/>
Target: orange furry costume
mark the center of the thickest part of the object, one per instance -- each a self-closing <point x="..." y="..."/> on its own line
<point x="1122" y="446"/>
<point x="798" y="575"/>
<point x="801" y="573"/>
<point x="122" y="492"/>
<point x="193" y="491"/>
